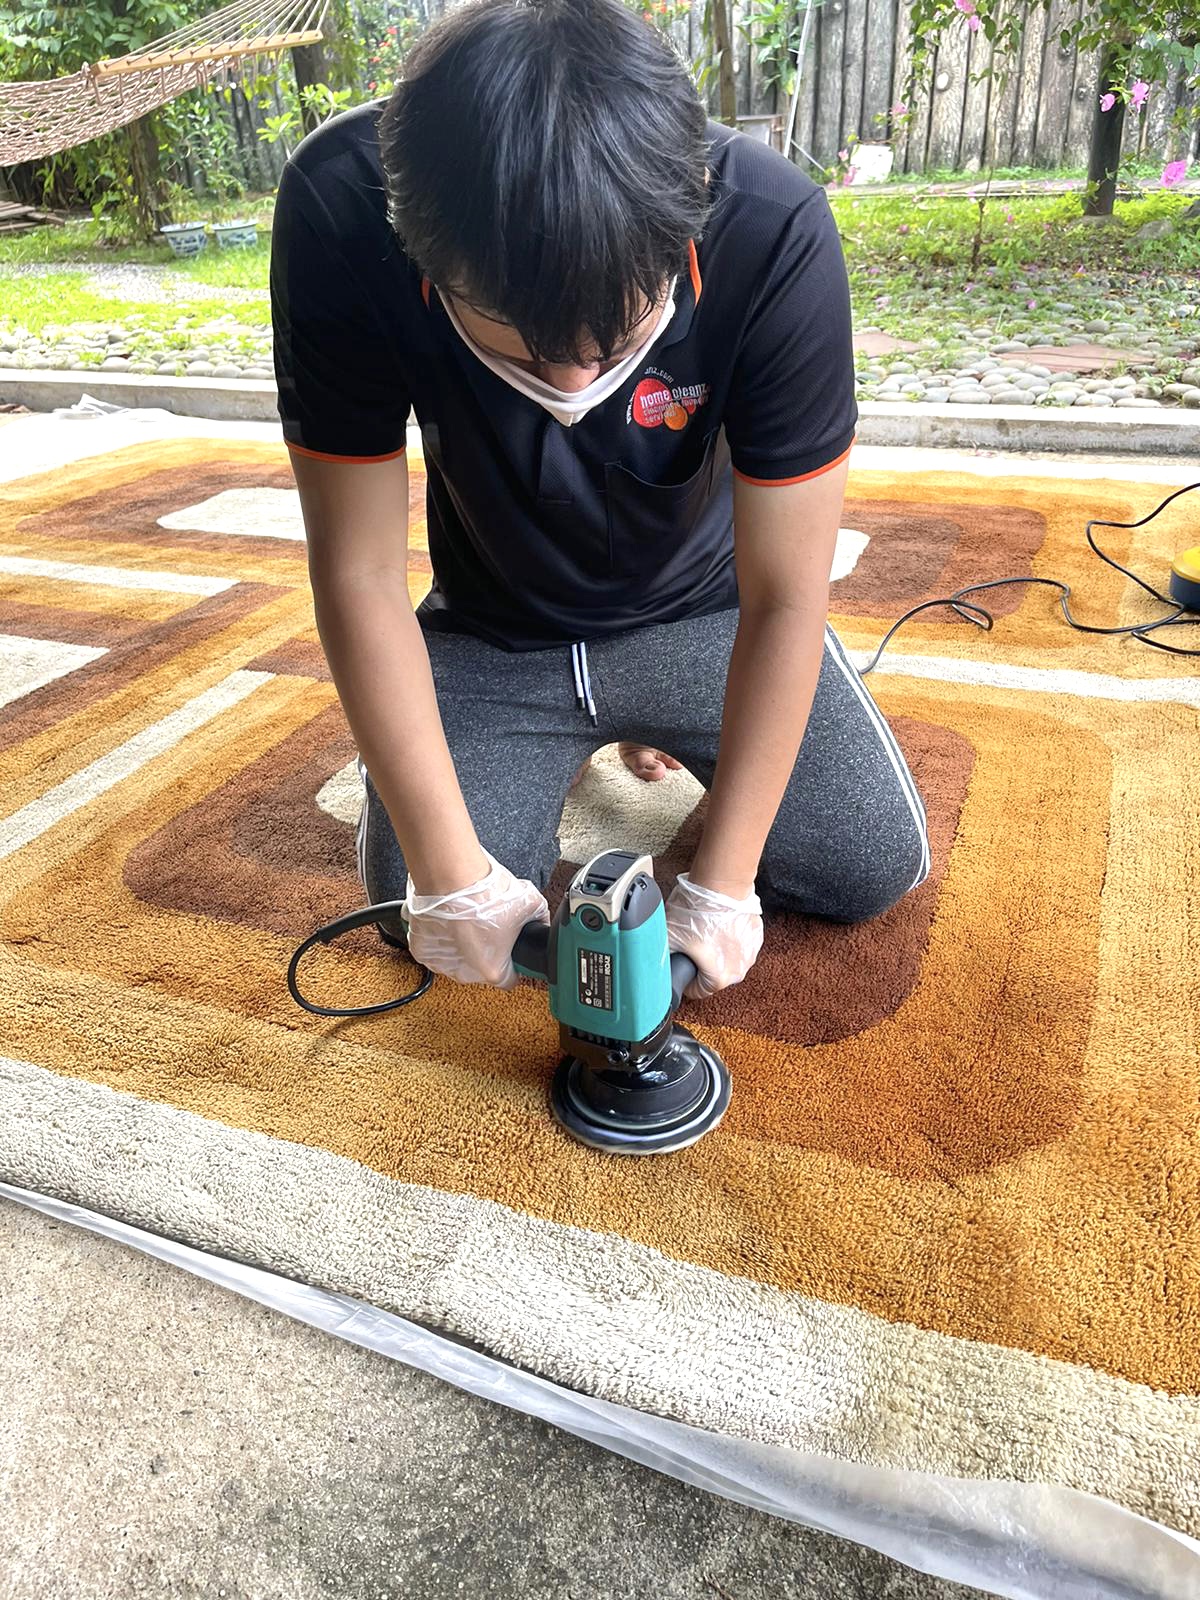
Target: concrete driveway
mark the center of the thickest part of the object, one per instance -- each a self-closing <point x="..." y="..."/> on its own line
<point x="164" y="1437"/>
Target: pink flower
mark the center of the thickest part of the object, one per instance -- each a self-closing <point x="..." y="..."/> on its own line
<point x="843" y="155"/>
<point x="371" y="87"/>
<point x="1174" y="172"/>
<point x="973" y="24"/>
<point x="903" y="228"/>
<point x="1107" y="101"/>
<point x="1139" y="93"/>
<point x="1031" y="305"/>
<point x="1008" y="216"/>
<point x="967" y="7"/>
<point x="899" y="109"/>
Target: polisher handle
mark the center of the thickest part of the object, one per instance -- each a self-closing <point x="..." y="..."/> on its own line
<point x="683" y="970"/>
<point x="532" y="948"/>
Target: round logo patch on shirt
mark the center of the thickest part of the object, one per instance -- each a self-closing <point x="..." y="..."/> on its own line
<point x="658" y="402"/>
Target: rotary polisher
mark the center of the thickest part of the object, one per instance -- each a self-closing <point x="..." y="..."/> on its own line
<point x="632" y="1080"/>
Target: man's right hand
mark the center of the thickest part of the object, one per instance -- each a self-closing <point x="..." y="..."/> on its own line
<point x="468" y="935"/>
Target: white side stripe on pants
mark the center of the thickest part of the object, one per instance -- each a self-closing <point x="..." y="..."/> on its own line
<point x="887" y="739"/>
<point x="360" y="833"/>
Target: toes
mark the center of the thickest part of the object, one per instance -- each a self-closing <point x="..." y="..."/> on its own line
<point x="651" y="766"/>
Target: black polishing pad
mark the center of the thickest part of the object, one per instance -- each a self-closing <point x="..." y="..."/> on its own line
<point x="668" y="1105"/>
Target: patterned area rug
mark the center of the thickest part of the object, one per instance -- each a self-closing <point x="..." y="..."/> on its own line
<point x="950" y="1222"/>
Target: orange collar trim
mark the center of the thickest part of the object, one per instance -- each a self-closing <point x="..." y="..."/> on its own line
<point x="425" y="292"/>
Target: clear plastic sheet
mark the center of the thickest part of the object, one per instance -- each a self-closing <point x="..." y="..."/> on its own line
<point x="1023" y="1541"/>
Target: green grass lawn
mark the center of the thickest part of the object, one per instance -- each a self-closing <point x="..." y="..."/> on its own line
<point x="1133" y="173"/>
<point x="909" y="255"/>
<point x="928" y="237"/>
<point x="90" y="241"/>
<point x="1041" y="270"/>
<point x="59" y="299"/>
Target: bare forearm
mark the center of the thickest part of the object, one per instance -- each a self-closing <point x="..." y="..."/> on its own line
<point x="773" y="672"/>
<point x="379" y="662"/>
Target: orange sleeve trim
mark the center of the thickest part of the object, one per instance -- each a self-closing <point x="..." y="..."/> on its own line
<point x="320" y="455"/>
<point x="694" y="267"/>
<point x="425" y="292"/>
<point x="775" y="483"/>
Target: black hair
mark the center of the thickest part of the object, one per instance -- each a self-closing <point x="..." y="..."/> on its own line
<point x="546" y="160"/>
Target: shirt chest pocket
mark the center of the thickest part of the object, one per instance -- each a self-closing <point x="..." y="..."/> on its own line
<point x="648" y="523"/>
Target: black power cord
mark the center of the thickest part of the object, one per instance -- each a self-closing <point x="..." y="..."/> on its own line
<point x="982" y="618"/>
<point x="334" y="930"/>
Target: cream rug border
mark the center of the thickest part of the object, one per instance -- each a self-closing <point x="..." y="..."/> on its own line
<point x="718" y="1352"/>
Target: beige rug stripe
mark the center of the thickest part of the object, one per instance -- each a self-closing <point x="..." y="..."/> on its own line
<point x="718" y="1352"/>
<point x="49" y="757"/>
<point x="108" y="600"/>
<point x="110" y="577"/>
<point x="192" y="734"/>
<point x="51" y="490"/>
<point x="55" y="804"/>
<point x="76" y="480"/>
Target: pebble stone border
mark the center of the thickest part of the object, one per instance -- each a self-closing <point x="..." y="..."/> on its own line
<point x="957" y="367"/>
<point x="237" y="351"/>
<point x="224" y="349"/>
<point x="980" y="379"/>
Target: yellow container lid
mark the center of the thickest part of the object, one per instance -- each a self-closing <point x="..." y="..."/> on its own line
<point x="1187" y="564"/>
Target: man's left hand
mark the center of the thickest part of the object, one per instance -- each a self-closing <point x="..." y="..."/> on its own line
<point x="723" y="936"/>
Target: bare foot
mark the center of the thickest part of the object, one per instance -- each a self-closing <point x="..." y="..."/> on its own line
<point x="651" y="766"/>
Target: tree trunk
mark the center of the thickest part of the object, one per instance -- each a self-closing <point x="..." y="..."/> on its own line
<point x="719" y="10"/>
<point x="149" y="186"/>
<point x="317" y="63"/>
<point x="1104" y="156"/>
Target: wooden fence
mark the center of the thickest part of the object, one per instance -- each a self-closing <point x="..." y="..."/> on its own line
<point x="1037" y="114"/>
<point x="256" y="162"/>
<point x="856" y="70"/>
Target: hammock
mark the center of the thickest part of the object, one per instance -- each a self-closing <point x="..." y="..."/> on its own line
<point x="38" y="119"/>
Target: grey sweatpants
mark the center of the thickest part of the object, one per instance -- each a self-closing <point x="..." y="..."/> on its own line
<point x="849" y="839"/>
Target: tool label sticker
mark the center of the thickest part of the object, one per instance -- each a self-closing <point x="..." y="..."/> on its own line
<point x="595" y="979"/>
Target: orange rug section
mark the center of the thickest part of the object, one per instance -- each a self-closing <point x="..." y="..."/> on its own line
<point x="976" y="1115"/>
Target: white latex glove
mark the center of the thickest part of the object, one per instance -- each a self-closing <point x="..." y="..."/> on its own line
<point x="469" y="935"/>
<point x="722" y="935"/>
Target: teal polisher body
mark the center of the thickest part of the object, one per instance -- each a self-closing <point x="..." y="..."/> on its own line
<point x="632" y="1081"/>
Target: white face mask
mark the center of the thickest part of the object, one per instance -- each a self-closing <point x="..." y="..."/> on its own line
<point x="562" y="406"/>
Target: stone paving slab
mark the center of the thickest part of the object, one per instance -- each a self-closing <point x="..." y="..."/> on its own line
<point x="1082" y="357"/>
<point x="872" y="343"/>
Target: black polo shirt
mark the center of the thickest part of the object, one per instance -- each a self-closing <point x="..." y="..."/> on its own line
<point x="541" y="534"/>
